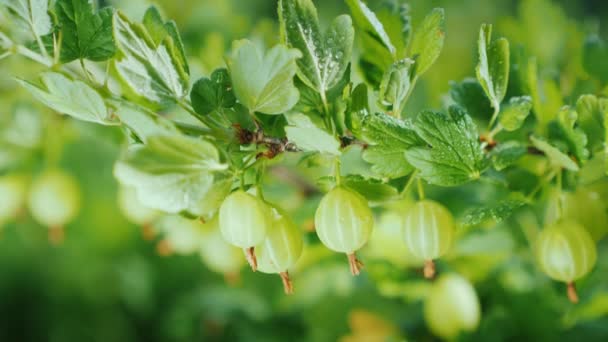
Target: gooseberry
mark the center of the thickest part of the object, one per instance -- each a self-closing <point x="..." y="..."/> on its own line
<point x="281" y="249"/>
<point x="586" y="208"/>
<point x="218" y="255"/>
<point x="181" y="235"/>
<point x="451" y="307"/>
<point x="344" y="222"/>
<point x="13" y="191"/>
<point x="243" y="220"/>
<point x="428" y="231"/>
<point x="565" y="252"/>
<point x="54" y="201"/>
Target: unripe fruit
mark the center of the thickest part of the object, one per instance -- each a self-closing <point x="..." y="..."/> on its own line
<point x="428" y="232"/>
<point x="566" y="252"/>
<point x="135" y="212"/>
<point x="586" y="208"/>
<point x="181" y="235"/>
<point x="451" y="307"/>
<point x="13" y="189"/>
<point x="218" y="255"/>
<point x="344" y="222"/>
<point x="281" y="249"/>
<point x="244" y="220"/>
<point x="54" y="201"/>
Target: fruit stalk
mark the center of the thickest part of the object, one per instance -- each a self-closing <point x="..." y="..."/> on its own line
<point x="287" y="284"/>
<point x="251" y="258"/>
<point x="355" y="264"/>
<point x="429" y="269"/>
<point x="572" y="295"/>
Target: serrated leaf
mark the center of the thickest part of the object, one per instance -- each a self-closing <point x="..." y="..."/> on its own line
<point x="150" y="71"/>
<point x="85" y="34"/>
<point x="493" y="67"/>
<point x="264" y="82"/>
<point x="378" y="51"/>
<point x="374" y="190"/>
<point x="513" y="115"/>
<point x="574" y="136"/>
<point x="396" y="86"/>
<point x="174" y="174"/>
<point x="388" y="138"/>
<point x="325" y="57"/>
<point x="470" y="95"/>
<point x="556" y="157"/>
<point x="307" y="136"/>
<point x="428" y="40"/>
<point x="507" y="154"/>
<point x="498" y="211"/>
<point x="31" y="14"/>
<point x="74" y="98"/>
<point x="455" y="155"/>
<point x="160" y="31"/>
<point x="145" y="124"/>
<point x="213" y="93"/>
<point x="591" y="118"/>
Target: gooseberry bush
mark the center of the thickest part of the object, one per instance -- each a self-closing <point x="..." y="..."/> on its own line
<point x="324" y="96"/>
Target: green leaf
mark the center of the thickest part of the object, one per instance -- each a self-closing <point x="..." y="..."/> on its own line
<point x="32" y="15"/>
<point x="455" y="155"/>
<point x="513" y="115"/>
<point x="307" y="136"/>
<point x="325" y="57"/>
<point x="396" y="86"/>
<point x="74" y="98"/>
<point x="376" y="45"/>
<point x="388" y="138"/>
<point x="470" y="95"/>
<point x="85" y="34"/>
<point x="428" y="40"/>
<point x="264" y="83"/>
<point x="574" y="136"/>
<point x="212" y="94"/>
<point x="595" y="55"/>
<point x="591" y="118"/>
<point x="507" y="154"/>
<point x="395" y="18"/>
<point x="498" y="212"/>
<point x="546" y="95"/>
<point x="556" y="157"/>
<point x="175" y="174"/>
<point x="493" y="67"/>
<point x="151" y="71"/>
<point x="145" y="124"/>
<point x="160" y="31"/>
<point x="374" y="190"/>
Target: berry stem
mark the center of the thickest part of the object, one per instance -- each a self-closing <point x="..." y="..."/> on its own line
<point x="251" y="258"/>
<point x="429" y="269"/>
<point x="56" y="235"/>
<point x="147" y="231"/>
<point x="163" y="248"/>
<point x="287" y="284"/>
<point x="572" y="295"/>
<point x="420" y="189"/>
<point x="355" y="264"/>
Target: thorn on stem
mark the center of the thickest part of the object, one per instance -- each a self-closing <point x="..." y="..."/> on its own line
<point x="251" y="259"/>
<point x="572" y="295"/>
<point x="287" y="284"/>
<point x="429" y="269"/>
<point x="355" y="264"/>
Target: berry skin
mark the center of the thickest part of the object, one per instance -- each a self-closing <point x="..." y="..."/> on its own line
<point x="344" y="223"/>
<point x="182" y="236"/>
<point x="218" y="255"/>
<point x="452" y="307"/>
<point x="137" y="213"/>
<point x="244" y="220"/>
<point x="428" y="232"/>
<point x="281" y="249"/>
<point x="54" y="201"/>
<point x="13" y="193"/>
<point x="565" y="252"/>
<point x="586" y="208"/>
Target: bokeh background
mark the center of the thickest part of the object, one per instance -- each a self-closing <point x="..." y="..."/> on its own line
<point x="106" y="282"/>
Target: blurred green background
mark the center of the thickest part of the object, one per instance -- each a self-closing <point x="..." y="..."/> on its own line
<point x="105" y="282"/>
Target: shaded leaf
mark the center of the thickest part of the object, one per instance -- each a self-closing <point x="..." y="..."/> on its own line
<point x="497" y="211"/>
<point x="556" y="157"/>
<point x="507" y="154"/>
<point x="212" y="94"/>
<point x="513" y="115"/>
<point x="428" y="40"/>
<point x="493" y="67"/>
